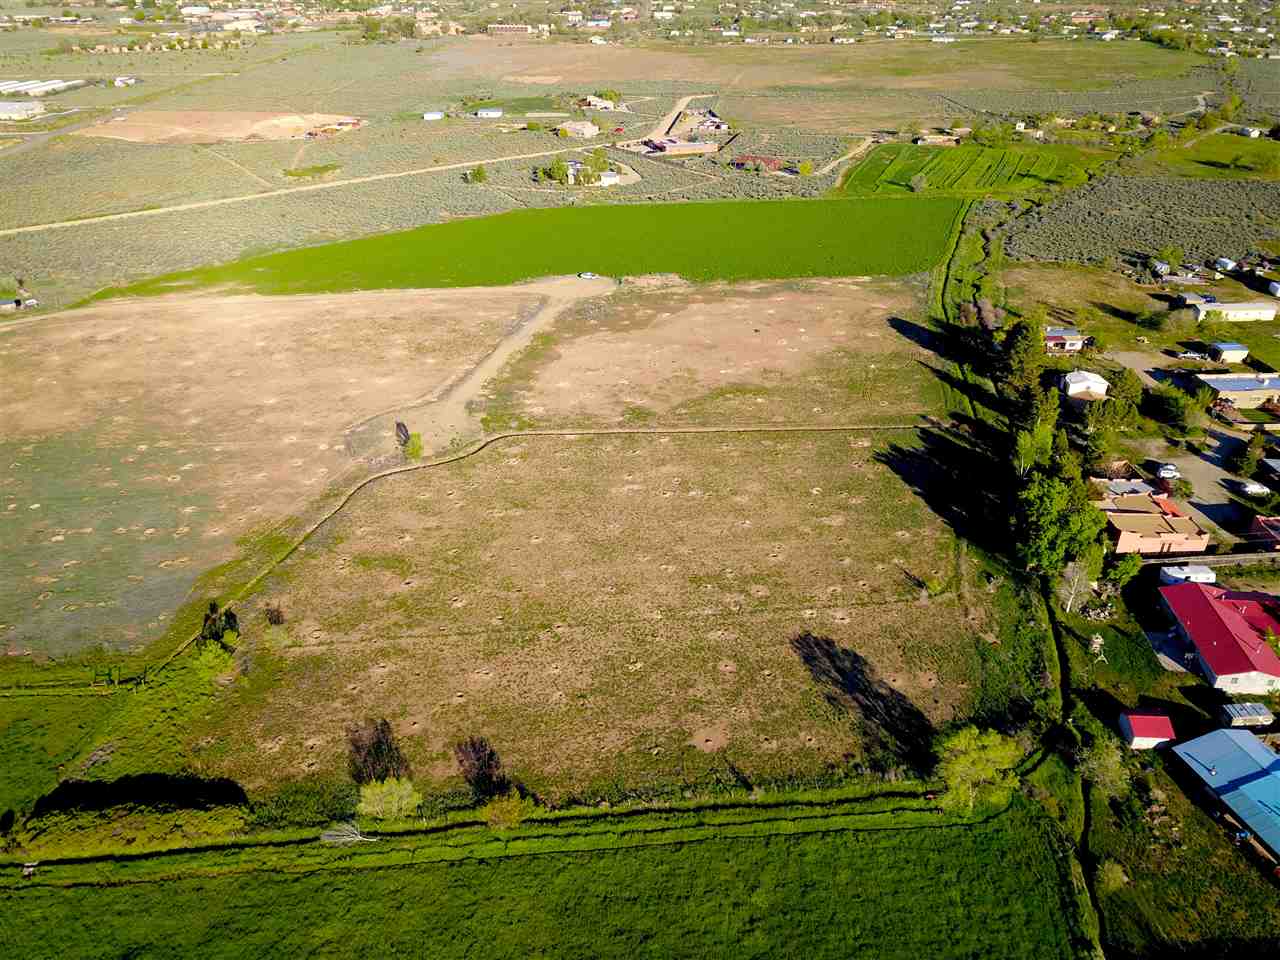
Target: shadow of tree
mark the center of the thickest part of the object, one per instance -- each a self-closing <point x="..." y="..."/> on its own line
<point x="890" y="722"/>
<point x="951" y="470"/>
<point x="159" y="791"/>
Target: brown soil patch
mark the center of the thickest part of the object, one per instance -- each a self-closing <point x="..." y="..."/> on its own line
<point x="196" y="126"/>
<point x="658" y="350"/>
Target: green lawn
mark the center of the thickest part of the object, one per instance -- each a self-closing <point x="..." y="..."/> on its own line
<point x="907" y="886"/>
<point x="700" y="241"/>
<point x="971" y="170"/>
<point x="1220" y="156"/>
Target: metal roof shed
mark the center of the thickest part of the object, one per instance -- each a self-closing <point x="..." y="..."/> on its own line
<point x="1242" y="772"/>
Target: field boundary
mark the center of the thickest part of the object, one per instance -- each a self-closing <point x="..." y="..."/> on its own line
<point x="476" y="447"/>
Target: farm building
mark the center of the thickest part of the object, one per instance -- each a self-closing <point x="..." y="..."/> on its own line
<point x="752" y="161"/>
<point x="1242" y="774"/>
<point x="489" y="113"/>
<point x="935" y="140"/>
<point x="1145" y="730"/>
<point x="506" y="29"/>
<point x="582" y="129"/>
<point x="1264" y="532"/>
<point x="592" y="102"/>
<point x="1246" y="391"/>
<point x="433" y="115"/>
<point x="1145" y="523"/>
<point x="20" y="109"/>
<point x="1241" y="312"/>
<point x="1188" y="573"/>
<point x="1084" y="385"/>
<point x="1229" y="352"/>
<point x="1226" y="264"/>
<point x="1228" y="630"/>
<point x="1246" y="715"/>
<point x="671" y="147"/>
<point x="1063" y="340"/>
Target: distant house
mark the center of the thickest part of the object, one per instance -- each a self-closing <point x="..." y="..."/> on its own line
<point x="1150" y="524"/>
<point x="1084" y="385"/>
<point x="671" y="147"/>
<point x="1229" y="631"/>
<point x="752" y="161"/>
<point x="1240" y="312"/>
<point x="582" y="129"/>
<point x="609" y="178"/>
<point x="1264" y="533"/>
<point x="1243" y="775"/>
<point x="1063" y="340"/>
<point x="489" y="113"/>
<point x="1253" y="133"/>
<point x="1145" y="730"/>
<point x="935" y="140"/>
<point x="1229" y="352"/>
<point x="506" y="29"/>
<point x="1226" y="264"/>
<point x="1245" y="391"/>
<point x="433" y="115"/>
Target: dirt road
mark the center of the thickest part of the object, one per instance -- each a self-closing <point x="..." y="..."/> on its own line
<point x="857" y="151"/>
<point x="661" y="128"/>
<point x="445" y="417"/>
<point x="283" y="191"/>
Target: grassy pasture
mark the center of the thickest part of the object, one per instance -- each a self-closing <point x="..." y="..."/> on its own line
<point x="1219" y="156"/>
<point x="700" y="241"/>
<point x="969" y="170"/>
<point x="493" y="597"/>
<point x="870" y="883"/>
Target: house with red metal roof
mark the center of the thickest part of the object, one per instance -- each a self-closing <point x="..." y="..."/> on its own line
<point x="1145" y="730"/>
<point x="1232" y="633"/>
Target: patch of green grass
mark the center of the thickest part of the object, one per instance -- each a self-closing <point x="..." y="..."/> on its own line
<point x="517" y="104"/>
<point x="1219" y="156"/>
<point x="38" y="735"/>
<point x="899" y="887"/>
<point x="970" y="170"/>
<point x="701" y="241"/>
<point x="319" y="170"/>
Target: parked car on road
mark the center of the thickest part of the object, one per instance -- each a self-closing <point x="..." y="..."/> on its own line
<point x="1167" y="471"/>
<point x="1253" y="488"/>
<point x="1192" y="355"/>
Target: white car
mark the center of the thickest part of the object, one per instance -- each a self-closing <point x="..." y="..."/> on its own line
<point x="1168" y="471"/>
<point x="1255" y="489"/>
<point x="588" y="275"/>
<point x="1192" y="355"/>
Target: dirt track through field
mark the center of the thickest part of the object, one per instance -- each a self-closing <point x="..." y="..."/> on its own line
<point x="281" y="192"/>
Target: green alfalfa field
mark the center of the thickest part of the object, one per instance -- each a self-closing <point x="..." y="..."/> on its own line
<point x="730" y="241"/>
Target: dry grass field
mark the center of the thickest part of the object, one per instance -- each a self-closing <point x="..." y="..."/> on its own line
<point x="665" y="352"/>
<point x="610" y="609"/>
<point x="142" y="440"/>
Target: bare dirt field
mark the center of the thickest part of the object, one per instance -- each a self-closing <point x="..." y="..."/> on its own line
<point x="798" y="352"/>
<point x="142" y="440"/>
<point x="195" y="126"/>
<point x="611" y="607"/>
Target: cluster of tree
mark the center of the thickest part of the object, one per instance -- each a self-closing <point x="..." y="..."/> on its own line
<point x="596" y="163"/>
<point x="387" y="29"/>
<point x="477" y="174"/>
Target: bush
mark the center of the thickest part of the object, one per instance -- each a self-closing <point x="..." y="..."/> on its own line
<point x="393" y="799"/>
<point x="1111" y="876"/>
<point x="413" y="449"/>
<point x="374" y="754"/>
<point x="275" y="615"/>
<point x="509" y="810"/>
<point x="305" y="803"/>
<point x="481" y="768"/>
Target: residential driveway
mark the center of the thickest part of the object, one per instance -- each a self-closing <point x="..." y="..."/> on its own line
<point x="1140" y="362"/>
<point x="1212" y="484"/>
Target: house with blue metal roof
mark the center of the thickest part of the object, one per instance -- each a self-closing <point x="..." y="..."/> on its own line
<point x="1244" y="774"/>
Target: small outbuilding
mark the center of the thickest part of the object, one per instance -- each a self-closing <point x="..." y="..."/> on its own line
<point x="1230" y="352"/>
<point x="1188" y="573"/>
<point x="433" y="115"/>
<point x="489" y="113"/>
<point x="1063" y="340"/>
<point x="1084" y="385"/>
<point x="1145" y="730"/>
<point x="1246" y="715"/>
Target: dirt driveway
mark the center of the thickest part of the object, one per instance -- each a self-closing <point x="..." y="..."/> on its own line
<point x="1211" y="503"/>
